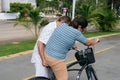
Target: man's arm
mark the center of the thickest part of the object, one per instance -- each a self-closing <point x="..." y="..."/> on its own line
<point x="41" y="52"/>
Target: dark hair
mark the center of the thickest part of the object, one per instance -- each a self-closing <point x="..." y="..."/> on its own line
<point x="66" y="19"/>
<point x="79" y="21"/>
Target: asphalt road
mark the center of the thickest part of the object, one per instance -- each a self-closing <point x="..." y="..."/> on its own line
<point x="107" y="62"/>
<point x="107" y="54"/>
<point x="19" y="68"/>
<point x="8" y="33"/>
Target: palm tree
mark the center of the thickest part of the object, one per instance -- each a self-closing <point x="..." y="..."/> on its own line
<point x="86" y="9"/>
<point x="32" y="20"/>
<point x="34" y="16"/>
<point x="107" y="19"/>
<point x="103" y="18"/>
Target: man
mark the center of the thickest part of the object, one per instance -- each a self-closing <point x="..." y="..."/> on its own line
<point x="62" y="39"/>
<point x="38" y="53"/>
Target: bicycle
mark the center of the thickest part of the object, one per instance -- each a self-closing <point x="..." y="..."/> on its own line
<point x="84" y="58"/>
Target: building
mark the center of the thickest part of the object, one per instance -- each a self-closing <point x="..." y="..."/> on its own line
<point x="5" y="4"/>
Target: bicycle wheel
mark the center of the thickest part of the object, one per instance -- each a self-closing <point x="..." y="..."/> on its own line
<point x="76" y="72"/>
<point x="39" y="78"/>
<point x="91" y="74"/>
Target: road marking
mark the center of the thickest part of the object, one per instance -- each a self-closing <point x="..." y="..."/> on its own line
<point x="71" y="61"/>
<point x="29" y="77"/>
<point x="100" y="51"/>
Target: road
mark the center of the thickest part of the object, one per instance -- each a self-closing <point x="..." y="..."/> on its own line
<point x="8" y="33"/>
<point x="107" y="59"/>
<point x="107" y="62"/>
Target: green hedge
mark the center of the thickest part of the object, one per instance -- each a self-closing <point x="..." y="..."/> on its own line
<point x="20" y="7"/>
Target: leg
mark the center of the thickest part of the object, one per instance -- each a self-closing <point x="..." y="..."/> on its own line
<point x="41" y="70"/>
<point x="58" y="67"/>
<point x="60" y="71"/>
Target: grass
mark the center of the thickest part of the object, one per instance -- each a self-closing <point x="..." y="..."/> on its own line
<point x="91" y="34"/>
<point x="12" y="48"/>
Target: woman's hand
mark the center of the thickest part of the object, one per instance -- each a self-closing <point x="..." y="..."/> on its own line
<point x="92" y="41"/>
<point x="74" y="47"/>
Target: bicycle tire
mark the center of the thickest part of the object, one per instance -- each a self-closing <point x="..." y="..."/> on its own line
<point x="39" y="78"/>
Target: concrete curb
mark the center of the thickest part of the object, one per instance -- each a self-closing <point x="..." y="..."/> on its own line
<point x="30" y="51"/>
<point x="106" y="35"/>
<point x="16" y="54"/>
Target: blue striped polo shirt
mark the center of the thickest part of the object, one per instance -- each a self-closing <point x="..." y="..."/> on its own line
<point x="62" y="39"/>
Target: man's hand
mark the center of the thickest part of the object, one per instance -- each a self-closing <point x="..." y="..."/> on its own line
<point x="44" y="63"/>
<point x="41" y="53"/>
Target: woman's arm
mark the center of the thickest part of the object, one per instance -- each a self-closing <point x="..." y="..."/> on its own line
<point x="92" y="41"/>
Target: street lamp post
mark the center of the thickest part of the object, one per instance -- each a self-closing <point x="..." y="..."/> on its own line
<point x="73" y="9"/>
<point x="96" y="2"/>
<point x="112" y="4"/>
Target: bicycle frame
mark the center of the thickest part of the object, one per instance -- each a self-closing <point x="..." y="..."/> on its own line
<point x="87" y="66"/>
<point x="84" y="65"/>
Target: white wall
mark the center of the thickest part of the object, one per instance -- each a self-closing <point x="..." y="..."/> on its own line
<point x="6" y="16"/>
<point x="6" y="5"/>
<point x="0" y="6"/>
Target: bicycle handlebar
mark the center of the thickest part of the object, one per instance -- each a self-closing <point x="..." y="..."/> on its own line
<point x="87" y="46"/>
<point x="86" y="56"/>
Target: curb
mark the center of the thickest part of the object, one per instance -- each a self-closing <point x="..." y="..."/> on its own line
<point x="103" y="36"/>
<point x="107" y="35"/>
<point x="30" y="51"/>
<point x="16" y="54"/>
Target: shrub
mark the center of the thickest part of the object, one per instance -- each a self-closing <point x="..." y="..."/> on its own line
<point x="21" y="7"/>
